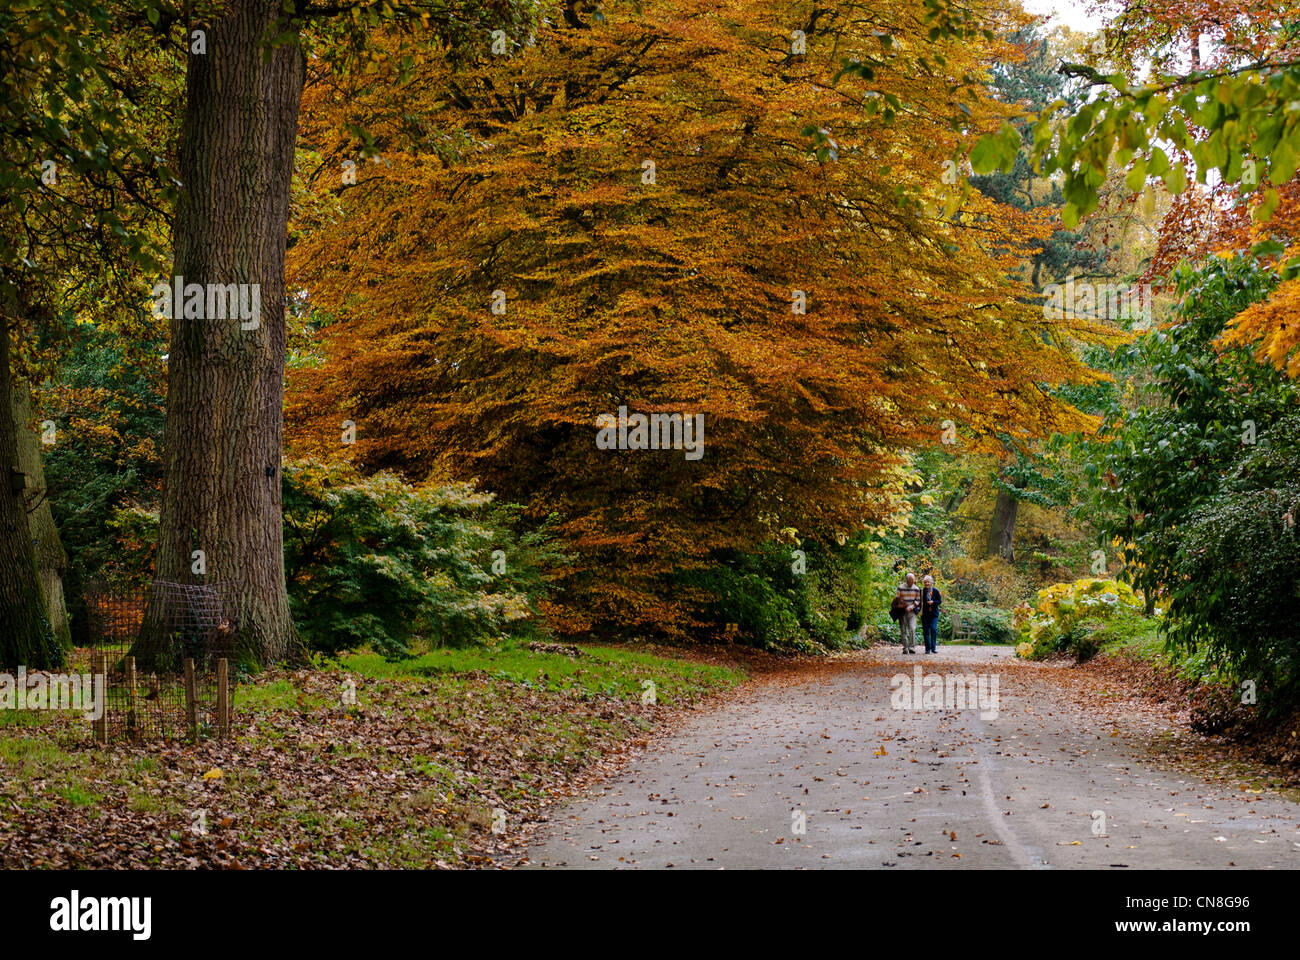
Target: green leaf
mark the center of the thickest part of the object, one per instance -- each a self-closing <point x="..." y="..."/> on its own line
<point x="985" y="156"/>
<point x="1283" y="162"/>
<point x="1267" y="204"/>
<point x="1137" y="177"/>
<point x="1176" y="179"/>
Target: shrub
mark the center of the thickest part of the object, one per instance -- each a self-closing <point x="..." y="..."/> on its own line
<point x="1084" y="640"/>
<point x="106" y="394"/>
<point x="1239" y="600"/>
<point x="817" y="603"/>
<point x="740" y="594"/>
<point x="972" y="591"/>
<point x="994" y="630"/>
<point x="1065" y="616"/>
<point x="376" y="562"/>
<point x="991" y="624"/>
<point x="1140" y="634"/>
<point x="990" y="580"/>
<point x="1205" y="508"/>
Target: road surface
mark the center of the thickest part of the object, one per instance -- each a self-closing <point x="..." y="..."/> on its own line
<point x="819" y="769"/>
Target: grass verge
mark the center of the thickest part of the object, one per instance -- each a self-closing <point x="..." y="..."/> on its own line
<point x="442" y="761"/>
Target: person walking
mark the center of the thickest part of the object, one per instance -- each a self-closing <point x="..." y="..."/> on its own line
<point x="908" y="597"/>
<point x="930" y="600"/>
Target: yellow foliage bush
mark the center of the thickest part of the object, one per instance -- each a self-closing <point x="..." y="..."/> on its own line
<point x="1006" y="585"/>
<point x="1058" y="609"/>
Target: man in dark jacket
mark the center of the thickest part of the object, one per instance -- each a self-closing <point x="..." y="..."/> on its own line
<point x="930" y="600"/>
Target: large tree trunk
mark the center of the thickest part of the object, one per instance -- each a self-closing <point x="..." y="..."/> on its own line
<point x="222" y="457"/>
<point x="51" y="561"/>
<point x="25" y="635"/>
<point x="1002" y="528"/>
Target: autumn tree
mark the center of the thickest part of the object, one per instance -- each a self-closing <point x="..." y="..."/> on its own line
<point x="1210" y="121"/>
<point x="634" y="211"/>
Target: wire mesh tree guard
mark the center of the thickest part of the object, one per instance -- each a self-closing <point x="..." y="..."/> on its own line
<point x="165" y="653"/>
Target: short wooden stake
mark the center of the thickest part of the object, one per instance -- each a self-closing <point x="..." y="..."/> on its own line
<point x="133" y="705"/>
<point x="191" y="698"/>
<point x="100" y="669"/>
<point x="223" y="698"/>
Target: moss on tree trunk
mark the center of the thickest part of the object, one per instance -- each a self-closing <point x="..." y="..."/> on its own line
<point x="51" y="561"/>
<point x="25" y="635"/>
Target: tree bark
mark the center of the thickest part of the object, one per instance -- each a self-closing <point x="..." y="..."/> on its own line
<point x="51" y="561"/>
<point x="1002" y="528"/>
<point x="224" y="424"/>
<point x="25" y="635"/>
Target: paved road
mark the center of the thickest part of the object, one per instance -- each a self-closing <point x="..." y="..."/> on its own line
<point x="877" y="786"/>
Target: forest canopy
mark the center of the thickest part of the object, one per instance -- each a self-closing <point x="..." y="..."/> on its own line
<point x="632" y="209"/>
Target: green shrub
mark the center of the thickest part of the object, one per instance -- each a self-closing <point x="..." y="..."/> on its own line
<point x="809" y="602"/>
<point x="990" y="624"/>
<point x="376" y="562"/>
<point x="738" y="593"/>
<point x="1084" y="640"/>
<point x="1240" y="601"/>
<point x="1065" y="616"/>
<point x="994" y="630"/>
<point x="1138" y="634"/>
<point x="103" y="473"/>
<point x="1206" y="454"/>
<point x="969" y="589"/>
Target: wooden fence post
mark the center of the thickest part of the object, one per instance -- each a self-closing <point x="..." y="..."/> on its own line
<point x="223" y="698"/>
<point x="133" y="705"/>
<point x="100" y="669"/>
<point x="191" y="696"/>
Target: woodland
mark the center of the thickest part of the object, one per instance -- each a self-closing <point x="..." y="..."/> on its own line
<point x="947" y="288"/>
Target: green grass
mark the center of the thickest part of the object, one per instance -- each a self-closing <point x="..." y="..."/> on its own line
<point x="408" y="776"/>
<point x="24" y="718"/>
<point x="1139" y="637"/>
<point x="428" y="767"/>
<point x="1136" y="636"/>
<point x="275" y="695"/>
<point x="607" y="671"/>
<point x="78" y="796"/>
<point x="143" y="803"/>
<point x="25" y="751"/>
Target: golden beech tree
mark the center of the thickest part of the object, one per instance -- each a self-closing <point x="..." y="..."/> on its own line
<point x="675" y="207"/>
<point x="1272" y="326"/>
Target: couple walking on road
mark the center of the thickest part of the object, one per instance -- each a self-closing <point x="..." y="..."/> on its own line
<point x="911" y="601"/>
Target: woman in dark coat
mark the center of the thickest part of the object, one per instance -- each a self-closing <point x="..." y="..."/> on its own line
<point x="930" y="600"/>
